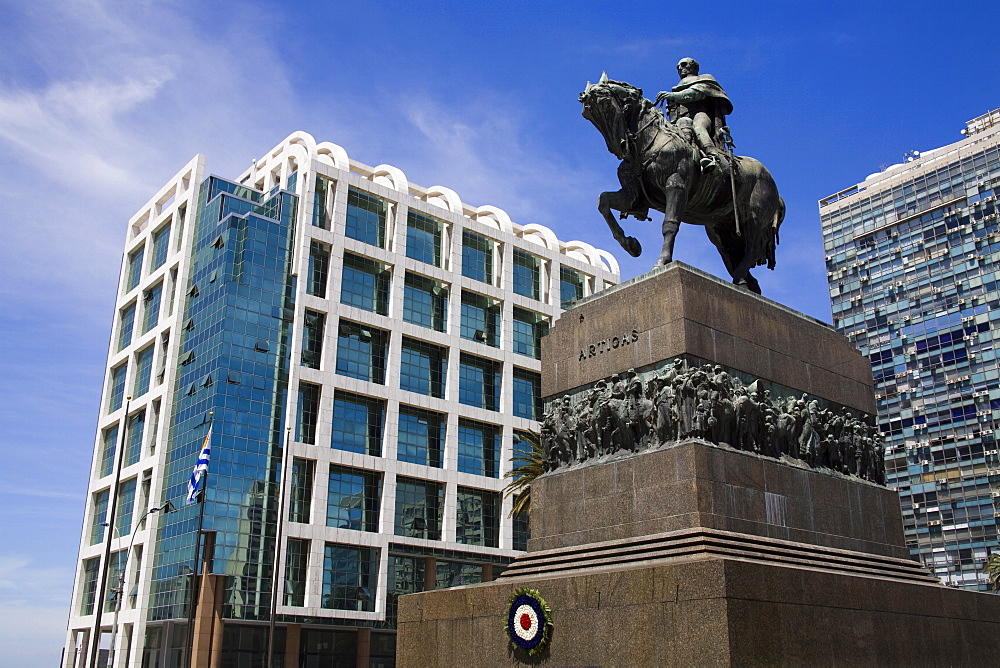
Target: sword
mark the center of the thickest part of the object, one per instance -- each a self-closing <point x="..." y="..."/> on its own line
<point x="727" y="142"/>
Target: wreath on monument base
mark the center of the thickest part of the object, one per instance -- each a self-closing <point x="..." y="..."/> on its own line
<point x="529" y="621"/>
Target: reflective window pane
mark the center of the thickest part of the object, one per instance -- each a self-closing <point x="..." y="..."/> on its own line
<point x="350" y="575"/>
<point x="526" y="274"/>
<point x="423" y="238"/>
<point x="420" y="436"/>
<point x="478" y="517"/>
<point x="353" y="499"/>
<point x="419" y="505"/>
<point x="365" y="218"/>
<point x="477" y="257"/>
<point x="357" y="423"/>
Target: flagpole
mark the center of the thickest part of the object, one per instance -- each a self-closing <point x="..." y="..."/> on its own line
<point x="275" y="576"/>
<point x="195" y="577"/>
<point x="112" y="506"/>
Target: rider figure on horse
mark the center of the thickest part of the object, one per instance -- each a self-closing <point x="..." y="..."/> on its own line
<point x="699" y="103"/>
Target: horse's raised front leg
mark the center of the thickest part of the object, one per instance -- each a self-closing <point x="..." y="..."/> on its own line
<point x="675" y="195"/>
<point x="620" y="201"/>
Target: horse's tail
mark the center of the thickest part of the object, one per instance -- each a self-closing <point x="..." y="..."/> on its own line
<point x="771" y="233"/>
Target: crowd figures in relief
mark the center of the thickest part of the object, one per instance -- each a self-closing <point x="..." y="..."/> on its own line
<point x="679" y="401"/>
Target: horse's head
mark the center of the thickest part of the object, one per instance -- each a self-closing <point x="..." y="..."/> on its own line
<point x="612" y="107"/>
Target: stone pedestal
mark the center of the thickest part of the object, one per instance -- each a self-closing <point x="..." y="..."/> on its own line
<point x="692" y="553"/>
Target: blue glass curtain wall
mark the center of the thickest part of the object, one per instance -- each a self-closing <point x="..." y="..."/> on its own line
<point x="233" y="362"/>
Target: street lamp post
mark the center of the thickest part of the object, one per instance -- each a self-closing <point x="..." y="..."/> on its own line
<point x="120" y="591"/>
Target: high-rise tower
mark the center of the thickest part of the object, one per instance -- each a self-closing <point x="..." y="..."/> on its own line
<point x="386" y="332"/>
<point x="912" y="254"/>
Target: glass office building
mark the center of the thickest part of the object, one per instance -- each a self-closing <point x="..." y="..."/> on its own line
<point x="912" y="254"/>
<point x="379" y="338"/>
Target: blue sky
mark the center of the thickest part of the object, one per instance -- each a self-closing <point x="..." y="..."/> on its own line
<point x="101" y="102"/>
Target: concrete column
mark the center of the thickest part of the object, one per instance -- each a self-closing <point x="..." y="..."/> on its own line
<point x="208" y="615"/>
<point x="219" y="584"/>
<point x="293" y="635"/>
<point x="487" y="572"/>
<point x="364" y="648"/>
<point x="430" y="573"/>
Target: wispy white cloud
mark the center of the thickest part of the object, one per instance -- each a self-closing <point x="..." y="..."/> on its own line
<point x="489" y="154"/>
<point x="68" y="129"/>
<point x="33" y="609"/>
<point x="104" y="103"/>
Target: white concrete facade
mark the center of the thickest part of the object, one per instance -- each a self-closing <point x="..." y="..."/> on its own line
<point x="299" y="155"/>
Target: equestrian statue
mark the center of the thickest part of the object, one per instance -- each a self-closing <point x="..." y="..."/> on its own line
<point x="682" y="165"/>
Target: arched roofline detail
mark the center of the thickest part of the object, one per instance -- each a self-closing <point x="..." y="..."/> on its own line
<point x="488" y="211"/>
<point x="446" y="198"/>
<point x="391" y="177"/>
<point x="548" y="237"/>
<point x="334" y="155"/>
<point x="588" y="252"/>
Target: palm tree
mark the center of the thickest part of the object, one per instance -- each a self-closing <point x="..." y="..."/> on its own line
<point x="992" y="570"/>
<point x="528" y="465"/>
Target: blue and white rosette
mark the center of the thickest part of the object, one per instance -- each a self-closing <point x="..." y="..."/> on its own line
<point x="529" y="621"/>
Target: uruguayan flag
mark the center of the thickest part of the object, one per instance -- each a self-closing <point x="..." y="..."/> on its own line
<point x="200" y="469"/>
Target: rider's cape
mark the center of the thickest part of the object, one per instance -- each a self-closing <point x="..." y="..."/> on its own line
<point x="710" y="88"/>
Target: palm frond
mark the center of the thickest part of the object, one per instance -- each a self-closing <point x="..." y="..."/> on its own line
<point x="992" y="570"/>
<point x="528" y="464"/>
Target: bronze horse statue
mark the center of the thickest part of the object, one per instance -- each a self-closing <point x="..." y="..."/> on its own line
<point x="660" y="170"/>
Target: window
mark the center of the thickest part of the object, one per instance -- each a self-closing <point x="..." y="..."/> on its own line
<point x="154" y="432"/>
<point x="151" y="307"/>
<point x="528" y="330"/>
<point x="350" y="575"/>
<point x="303" y="471"/>
<point x="520" y="531"/>
<point x="365" y="284"/>
<point x="423" y="367"/>
<point x="126" y="321"/>
<point x="133" y="441"/>
<point x="109" y="438"/>
<point x="308" y="413"/>
<point x="418" y="508"/>
<point x="319" y="268"/>
<point x="527" y="394"/>
<point x="354" y="498"/>
<point x="99" y="517"/>
<point x="420" y="436"/>
<point x="91" y="569"/>
<point x="570" y="286"/>
<point x="457" y="573"/>
<point x="365" y="218"/>
<point x="161" y="245"/>
<point x="357" y="423"/>
<point x="296" y="566"/>
<point x="423" y="238"/>
<point x="143" y="371"/>
<point x="480" y="319"/>
<point x="323" y="647"/>
<point x="478" y="517"/>
<point x="361" y="352"/>
<point x="425" y="302"/>
<point x="134" y="268"/>
<point x="116" y="392"/>
<point x="527" y="274"/>
<point x="126" y="504"/>
<point x="173" y="289"/>
<point x="406" y="576"/>
<point x="312" y="338"/>
<point x="479" y="382"/>
<point x="477" y="257"/>
<point x="321" y="202"/>
<point x="478" y="448"/>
